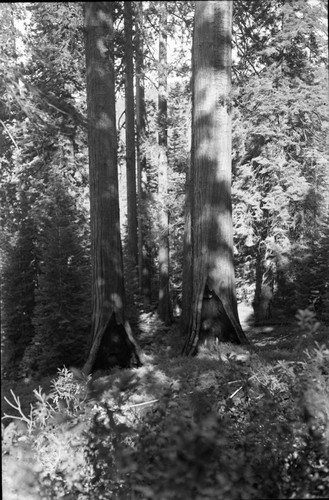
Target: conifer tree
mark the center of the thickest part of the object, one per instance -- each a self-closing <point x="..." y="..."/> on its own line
<point x="164" y="308"/>
<point x="112" y="339"/>
<point x="279" y="159"/>
<point x="209" y="283"/>
<point x="130" y="138"/>
<point x="144" y="267"/>
<point x="18" y="286"/>
<point x="61" y="316"/>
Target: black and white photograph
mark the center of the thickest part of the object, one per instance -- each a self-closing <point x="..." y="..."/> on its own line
<point x="164" y="250"/>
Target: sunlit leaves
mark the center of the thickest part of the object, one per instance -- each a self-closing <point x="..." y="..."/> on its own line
<point x="278" y="157"/>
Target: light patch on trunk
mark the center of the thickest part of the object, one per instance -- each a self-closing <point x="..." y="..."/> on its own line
<point x="117" y="301"/>
<point x="104" y="122"/>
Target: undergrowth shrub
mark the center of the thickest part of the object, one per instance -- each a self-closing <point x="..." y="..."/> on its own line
<point x="51" y="435"/>
<point x="307" y="466"/>
<point x="226" y="424"/>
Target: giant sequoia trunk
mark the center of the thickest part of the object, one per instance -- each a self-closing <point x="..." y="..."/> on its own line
<point x="112" y="339"/>
<point x="210" y="300"/>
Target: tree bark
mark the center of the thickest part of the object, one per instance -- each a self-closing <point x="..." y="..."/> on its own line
<point x="164" y="308"/>
<point x="262" y="303"/>
<point x="187" y="291"/>
<point x="130" y="136"/>
<point x="213" y="312"/>
<point x="108" y="297"/>
<point x="144" y="272"/>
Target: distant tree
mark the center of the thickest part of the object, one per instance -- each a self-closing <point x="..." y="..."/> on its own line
<point x="209" y="283"/>
<point x="164" y="308"/>
<point x="179" y="125"/>
<point x="279" y="160"/>
<point x="42" y="137"/>
<point x="144" y="270"/>
<point x="61" y="315"/>
<point x="45" y="265"/>
<point x="254" y="23"/>
<point x="112" y="339"/>
<point x="130" y="135"/>
<point x="18" y="286"/>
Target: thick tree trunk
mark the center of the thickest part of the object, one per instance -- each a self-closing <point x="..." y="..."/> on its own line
<point x="164" y="308"/>
<point x="130" y="136"/>
<point x="108" y="320"/>
<point x="144" y="272"/>
<point x="213" y="314"/>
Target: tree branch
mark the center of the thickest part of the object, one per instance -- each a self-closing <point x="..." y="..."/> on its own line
<point x="8" y="132"/>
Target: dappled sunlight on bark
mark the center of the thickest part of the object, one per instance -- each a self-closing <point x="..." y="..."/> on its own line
<point x="210" y="178"/>
<point x="109" y="326"/>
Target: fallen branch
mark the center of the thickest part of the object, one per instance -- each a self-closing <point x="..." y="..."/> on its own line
<point x="8" y="132"/>
<point x="236" y="392"/>
<point x="141" y="404"/>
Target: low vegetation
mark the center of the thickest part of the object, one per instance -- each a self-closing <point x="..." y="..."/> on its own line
<point x="233" y="422"/>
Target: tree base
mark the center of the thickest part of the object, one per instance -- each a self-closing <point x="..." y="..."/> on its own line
<point x="117" y="348"/>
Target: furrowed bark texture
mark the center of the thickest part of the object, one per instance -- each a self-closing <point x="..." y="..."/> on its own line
<point x="107" y="267"/>
<point x="211" y="233"/>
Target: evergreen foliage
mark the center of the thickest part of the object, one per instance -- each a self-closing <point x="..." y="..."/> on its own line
<point x="43" y="191"/>
<point x="233" y="422"/>
<point x="18" y="283"/>
<point x="279" y="162"/>
<point x="62" y="299"/>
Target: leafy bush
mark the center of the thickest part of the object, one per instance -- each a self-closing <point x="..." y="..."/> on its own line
<point x="51" y="433"/>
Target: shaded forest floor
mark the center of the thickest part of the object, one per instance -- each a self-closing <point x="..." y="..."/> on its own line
<point x="233" y="422"/>
<point x="279" y="338"/>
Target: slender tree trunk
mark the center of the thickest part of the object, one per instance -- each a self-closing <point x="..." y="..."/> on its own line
<point x="259" y="280"/>
<point x="188" y="258"/>
<point x="144" y="273"/>
<point x="187" y="290"/>
<point x="164" y="295"/>
<point x="213" y="314"/>
<point x="262" y="303"/>
<point x="130" y="136"/>
<point x="108" y="297"/>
